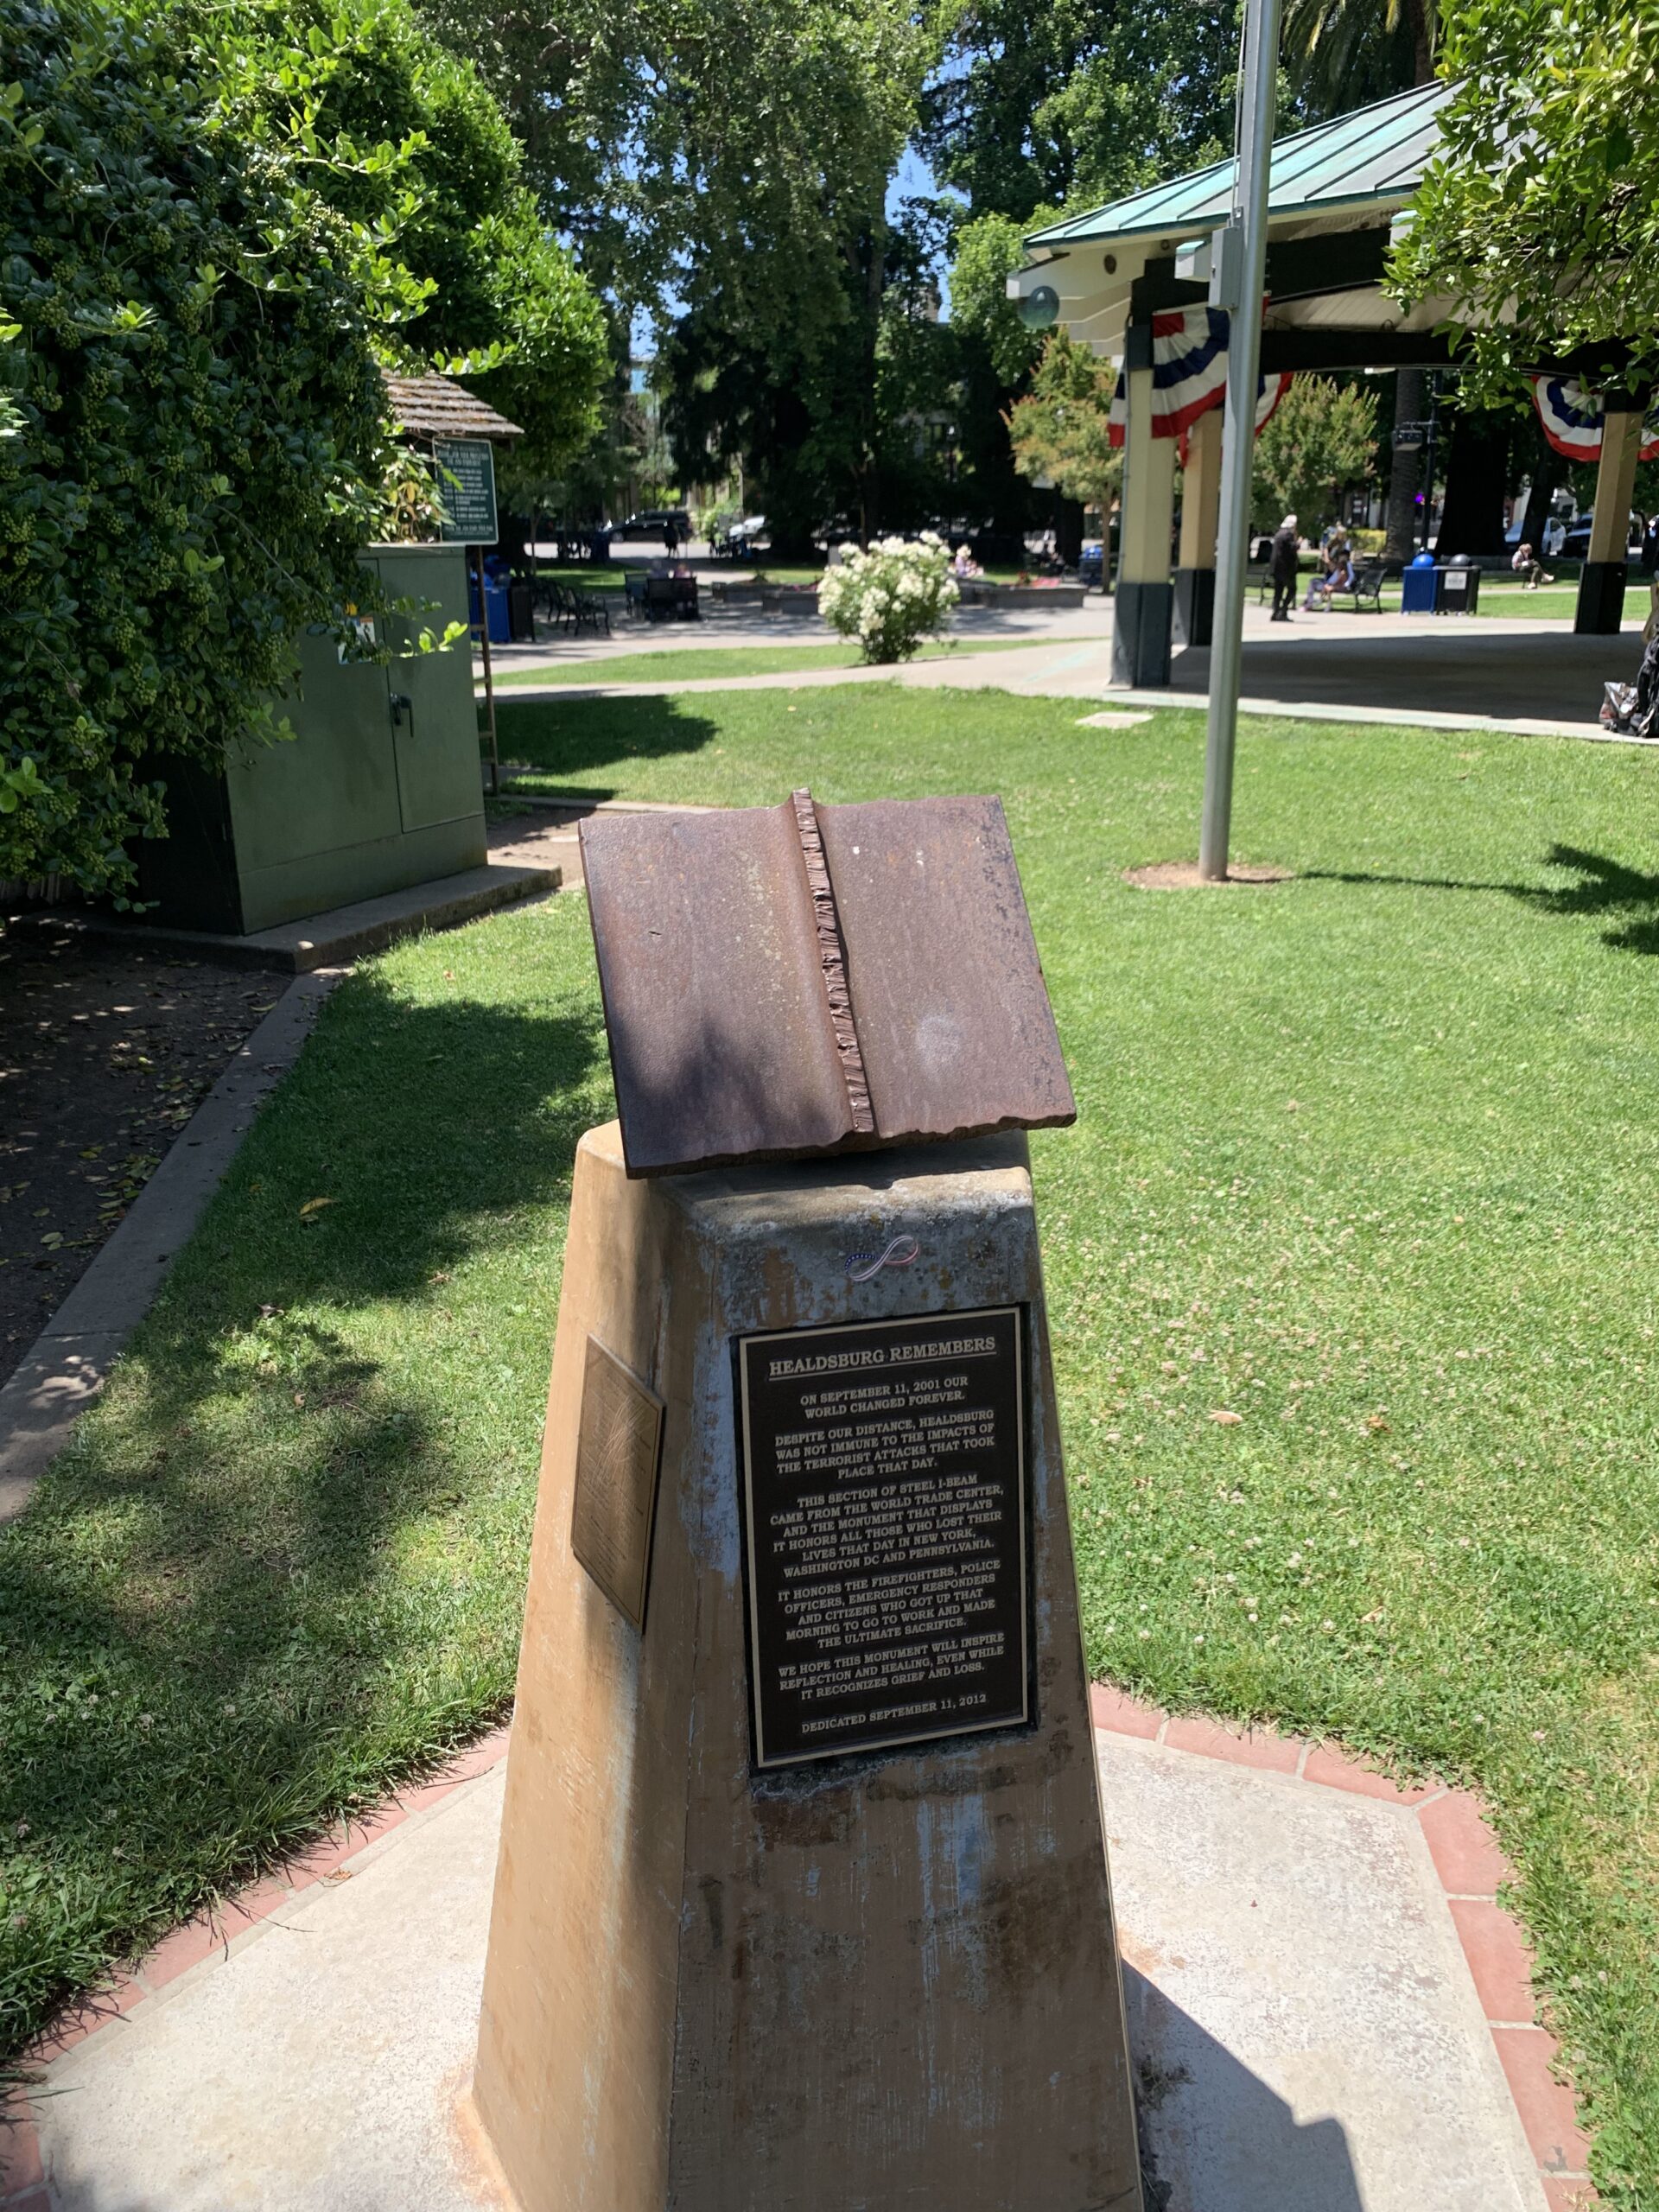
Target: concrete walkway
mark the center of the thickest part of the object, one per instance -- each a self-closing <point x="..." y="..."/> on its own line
<point x="1531" y="675"/>
<point x="1329" y="2010"/>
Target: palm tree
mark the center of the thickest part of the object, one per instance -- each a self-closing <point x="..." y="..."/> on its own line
<point x="1344" y="53"/>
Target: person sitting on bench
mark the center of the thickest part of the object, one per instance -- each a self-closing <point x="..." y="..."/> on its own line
<point x="1336" y="573"/>
<point x="1343" y="575"/>
<point x="1533" y="572"/>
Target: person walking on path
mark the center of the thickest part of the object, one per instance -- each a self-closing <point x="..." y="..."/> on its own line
<point x="1281" y="566"/>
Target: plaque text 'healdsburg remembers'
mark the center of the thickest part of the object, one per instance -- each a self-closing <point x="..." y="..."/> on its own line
<point x="884" y="1498"/>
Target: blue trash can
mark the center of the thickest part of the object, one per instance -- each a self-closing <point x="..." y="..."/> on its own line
<point x="1417" y="586"/>
<point x="495" y="597"/>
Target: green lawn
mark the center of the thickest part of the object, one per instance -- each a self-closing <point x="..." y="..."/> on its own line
<point x="598" y="575"/>
<point x="1369" y="1158"/>
<point x="686" y="663"/>
<point x="1499" y="595"/>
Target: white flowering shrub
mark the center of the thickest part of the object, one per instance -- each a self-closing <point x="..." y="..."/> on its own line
<point x="892" y="597"/>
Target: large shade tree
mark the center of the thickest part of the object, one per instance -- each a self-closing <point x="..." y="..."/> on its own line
<point x="1060" y="428"/>
<point x="723" y="167"/>
<point x="1338" y="55"/>
<point x="1074" y="103"/>
<point x="729" y="164"/>
<point x="1540" y="214"/>
<point x="1318" y="439"/>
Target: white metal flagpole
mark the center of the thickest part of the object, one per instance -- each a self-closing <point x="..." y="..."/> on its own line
<point x="1240" y="263"/>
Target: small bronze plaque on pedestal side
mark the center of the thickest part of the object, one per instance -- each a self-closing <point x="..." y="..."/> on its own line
<point x="618" y="1450"/>
<point x="885" y="1537"/>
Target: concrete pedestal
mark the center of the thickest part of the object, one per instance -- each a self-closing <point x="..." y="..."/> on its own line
<point x="880" y="1981"/>
<point x="1140" y="627"/>
<point x="1600" y="607"/>
<point x="1195" y="606"/>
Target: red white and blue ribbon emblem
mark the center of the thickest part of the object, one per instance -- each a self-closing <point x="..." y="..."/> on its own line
<point x="1189" y="375"/>
<point x="1572" y="419"/>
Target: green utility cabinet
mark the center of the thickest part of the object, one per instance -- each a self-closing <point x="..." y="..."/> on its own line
<point x="380" y="787"/>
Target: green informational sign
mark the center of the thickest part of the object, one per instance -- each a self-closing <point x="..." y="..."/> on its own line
<point x="466" y="487"/>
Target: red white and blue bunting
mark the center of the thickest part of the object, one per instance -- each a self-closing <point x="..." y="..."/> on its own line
<point x="1189" y="375"/>
<point x="1572" y="419"/>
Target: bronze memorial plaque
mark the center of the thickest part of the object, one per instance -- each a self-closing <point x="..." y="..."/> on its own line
<point x="885" y="1532"/>
<point x="618" y="1449"/>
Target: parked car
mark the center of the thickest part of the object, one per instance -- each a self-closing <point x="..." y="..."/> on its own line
<point x="658" y="521"/>
<point x="1575" y="544"/>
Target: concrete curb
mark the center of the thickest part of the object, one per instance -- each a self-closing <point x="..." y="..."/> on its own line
<point x="340" y="935"/>
<point x="67" y="1365"/>
<point x="1311" y="711"/>
<point x="208" y="1940"/>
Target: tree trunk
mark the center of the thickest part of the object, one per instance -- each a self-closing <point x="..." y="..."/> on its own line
<point x="1423" y="23"/>
<point x="1406" y="471"/>
<point x="1477" y="472"/>
<point x="1548" y="473"/>
<point x="1068" y="528"/>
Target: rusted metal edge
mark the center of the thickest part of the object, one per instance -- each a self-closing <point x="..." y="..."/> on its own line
<point x="832" y="959"/>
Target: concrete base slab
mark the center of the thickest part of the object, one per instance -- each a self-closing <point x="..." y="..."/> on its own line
<point x="1306" y="2036"/>
<point x="320" y="2064"/>
<point x="1306" y="2033"/>
<point x="343" y="933"/>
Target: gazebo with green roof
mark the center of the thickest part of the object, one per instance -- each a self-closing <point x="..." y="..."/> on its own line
<point x="1337" y="194"/>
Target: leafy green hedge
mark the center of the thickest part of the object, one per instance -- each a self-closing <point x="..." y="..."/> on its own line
<point x="200" y="426"/>
<point x="213" y="221"/>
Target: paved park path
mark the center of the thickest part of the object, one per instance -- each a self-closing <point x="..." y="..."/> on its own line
<point x="1534" y="677"/>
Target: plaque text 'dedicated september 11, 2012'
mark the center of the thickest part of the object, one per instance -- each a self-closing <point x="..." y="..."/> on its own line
<point x="884" y="1489"/>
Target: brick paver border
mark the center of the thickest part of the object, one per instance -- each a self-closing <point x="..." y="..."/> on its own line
<point x="1471" y="1868"/>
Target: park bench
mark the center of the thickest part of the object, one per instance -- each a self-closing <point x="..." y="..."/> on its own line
<point x="1366" y="590"/>
<point x="668" y="598"/>
<point x="583" y="610"/>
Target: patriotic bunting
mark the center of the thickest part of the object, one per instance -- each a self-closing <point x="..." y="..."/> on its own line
<point x="1189" y="375"/>
<point x="1572" y="419"/>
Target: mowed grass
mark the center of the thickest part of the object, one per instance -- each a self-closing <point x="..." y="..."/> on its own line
<point x="1368" y="1158"/>
<point x="678" y="665"/>
<point x="283" y="1561"/>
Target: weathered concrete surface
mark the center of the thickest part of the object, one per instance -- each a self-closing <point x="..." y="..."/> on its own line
<point x="1305" y="2031"/>
<point x="319" y="2068"/>
<point x="890" y="1981"/>
<point x="342" y="934"/>
<point x="1306" y="2036"/>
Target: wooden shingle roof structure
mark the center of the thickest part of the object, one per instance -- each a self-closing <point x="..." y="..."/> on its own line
<point x="432" y="406"/>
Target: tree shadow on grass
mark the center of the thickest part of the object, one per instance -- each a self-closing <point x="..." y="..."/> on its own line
<point x="1605" y="887"/>
<point x="575" y="739"/>
<point x="212" y="1639"/>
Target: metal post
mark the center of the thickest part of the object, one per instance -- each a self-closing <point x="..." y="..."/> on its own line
<point x="1430" y="429"/>
<point x="1249" y="220"/>
<point x="489" y="678"/>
